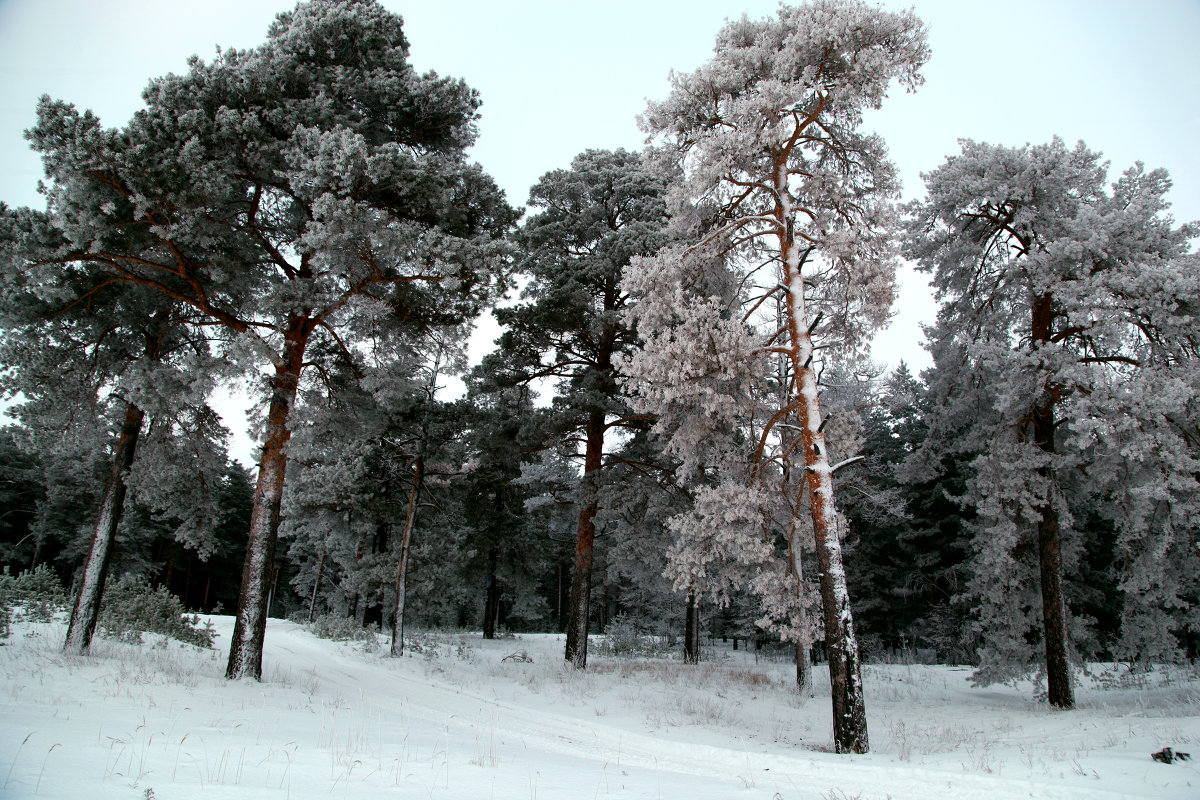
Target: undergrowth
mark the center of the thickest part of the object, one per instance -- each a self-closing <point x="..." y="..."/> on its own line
<point x="35" y="595"/>
<point x="129" y="608"/>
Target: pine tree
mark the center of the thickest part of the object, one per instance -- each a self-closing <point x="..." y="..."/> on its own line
<point x="1064" y="299"/>
<point x="275" y="191"/>
<point x="123" y="346"/>
<point x="767" y="139"/>
<point x="596" y="216"/>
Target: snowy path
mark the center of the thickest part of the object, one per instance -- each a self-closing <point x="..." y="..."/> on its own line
<point x="330" y="720"/>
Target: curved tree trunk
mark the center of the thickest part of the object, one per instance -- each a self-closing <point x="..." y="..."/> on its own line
<point x="585" y="536"/>
<point x="250" y="621"/>
<point x="410" y="520"/>
<point x="95" y="570"/>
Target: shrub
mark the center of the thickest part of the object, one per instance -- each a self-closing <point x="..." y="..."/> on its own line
<point x="36" y="594"/>
<point x="624" y="639"/>
<point x="339" y="629"/>
<point x="130" y="608"/>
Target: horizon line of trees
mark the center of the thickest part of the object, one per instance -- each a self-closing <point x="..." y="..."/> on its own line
<point x="301" y="216"/>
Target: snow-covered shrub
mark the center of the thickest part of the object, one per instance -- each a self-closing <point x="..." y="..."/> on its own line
<point x="131" y="608"/>
<point x="35" y="594"/>
<point x="339" y="629"/>
<point x="624" y="639"/>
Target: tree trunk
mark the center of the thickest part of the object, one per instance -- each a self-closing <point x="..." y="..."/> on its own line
<point x="410" y="519"/>
<point x="95" y="569"/>
<point x="585" y="536"/>
<point x="250" y="620"/>
<point x="312" y="603"/>
<point x="845" y="669"/>
<point x="1054" y="607"/>
<point x="804" y="677"/>
<point x="491" y="605"/>
<point x="691" y="630"/>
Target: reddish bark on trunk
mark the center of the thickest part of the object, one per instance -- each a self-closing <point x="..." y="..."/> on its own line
<point x="585" y="536"/>
<point x="1060" y="693"/>
<point x="845" y="668"/>
<point x="250" y="621"/>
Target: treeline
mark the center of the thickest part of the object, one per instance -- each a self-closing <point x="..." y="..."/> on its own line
<point x="677" y="428"/>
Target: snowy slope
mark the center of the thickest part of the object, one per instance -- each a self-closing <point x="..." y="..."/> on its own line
<point x="456" y="720"/>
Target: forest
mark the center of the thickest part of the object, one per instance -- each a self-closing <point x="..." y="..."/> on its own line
<point x="677" y="435"/>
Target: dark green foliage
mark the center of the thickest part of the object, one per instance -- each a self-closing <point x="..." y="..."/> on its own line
<point x="906" y="552"/>
<point x="20" y="489"/>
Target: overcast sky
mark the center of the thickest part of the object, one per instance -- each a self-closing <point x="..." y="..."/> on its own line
<point x="557" y="78"/>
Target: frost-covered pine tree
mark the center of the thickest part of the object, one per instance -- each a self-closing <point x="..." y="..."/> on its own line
<point x="272" y="190"/>
<point x="1068" y="344"/>
<point x="79" y="343"/>
<point x="370" y="441"/>
<point x="593" y="218"/>
<point x="796" y="204"/>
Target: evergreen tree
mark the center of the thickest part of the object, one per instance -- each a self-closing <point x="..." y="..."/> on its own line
<point x="593" y="218"/>
<point x="279" y="191"/>
<point x="20" y="488"/>
<point x="134" y="351"/>
<point x="1065" y="300"/>
<point x="508" y="554"/>
<point x="767" y="139"/>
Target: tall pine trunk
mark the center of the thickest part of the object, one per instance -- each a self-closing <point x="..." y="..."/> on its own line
<point x="1060" y="693"/>
<point x="250" y="620"/>
<point x="95" y="570"/>
<point x="585" y="537"/>
<point x="491" y="603"/>
<point x="691" y="630"/>
<point x="845" y="668"/>
<point x="410" y="520"/>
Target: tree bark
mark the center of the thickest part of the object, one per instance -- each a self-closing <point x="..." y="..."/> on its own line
<point x="410" y="519"/>
<point x="1060" y="693"/>
<point x="845" y="669"/>
<point x="312" y="603"/>
<point x="95" y="570"/>
<point x="691" y="630"/>
<point x="804" y="677"/>
<point x="250" y="620"/>
<point x="491" y="604"/>
<point x="585" y="536"/>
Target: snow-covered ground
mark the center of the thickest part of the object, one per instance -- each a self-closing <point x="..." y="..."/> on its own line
<point x="459" y="721"/>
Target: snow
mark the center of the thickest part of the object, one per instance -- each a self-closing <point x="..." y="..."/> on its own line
<point x="457" y="720"/>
